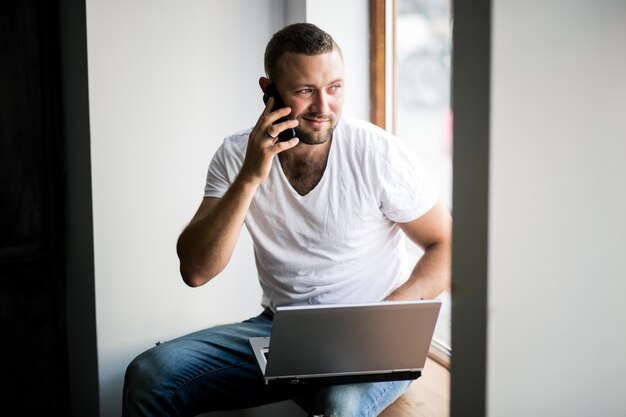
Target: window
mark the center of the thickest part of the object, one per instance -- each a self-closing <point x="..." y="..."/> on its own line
<point x="411" y="70"/>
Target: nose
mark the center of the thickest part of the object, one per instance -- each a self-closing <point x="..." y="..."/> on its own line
<point x="321" y="102"/>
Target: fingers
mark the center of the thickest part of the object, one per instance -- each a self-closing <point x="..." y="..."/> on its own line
<point x="269" y="135"/>
<point x="263" y="143"/>
<point x="265" y="133"/>
<point x="270" y="115"/>
<point x="269" y="126"/>
<point x="274" y="130"/>
<point x="283" y="146"/>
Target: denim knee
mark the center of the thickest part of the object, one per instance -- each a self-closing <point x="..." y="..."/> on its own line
<point x="344" y="401"/>
<point x="358" y="400"/>
<point x="142" y="385"/>
<point x="141" y="370"/>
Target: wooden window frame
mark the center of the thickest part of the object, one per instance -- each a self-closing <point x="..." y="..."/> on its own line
<point x="379" y="97"/>
<point x="377" y="62"/>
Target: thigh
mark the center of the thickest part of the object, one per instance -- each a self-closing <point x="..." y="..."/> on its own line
<point x="353" y="400"/>
<point x="208" y="370"/>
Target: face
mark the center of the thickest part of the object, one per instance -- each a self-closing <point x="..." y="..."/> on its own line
<point x="313" y="87"/>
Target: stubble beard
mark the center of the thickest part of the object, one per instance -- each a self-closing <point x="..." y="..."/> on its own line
<point x="316" y="137"/>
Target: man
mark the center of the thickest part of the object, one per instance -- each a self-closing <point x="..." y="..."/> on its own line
<point x="328" y="212"/>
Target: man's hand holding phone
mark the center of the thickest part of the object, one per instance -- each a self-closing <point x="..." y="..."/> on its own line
<point x="264" y="144"/>
<point x="272" y="92"/>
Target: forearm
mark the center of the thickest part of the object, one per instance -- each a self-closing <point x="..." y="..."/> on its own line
<point x="207" y="243"/>
<point x="430" y="276"/>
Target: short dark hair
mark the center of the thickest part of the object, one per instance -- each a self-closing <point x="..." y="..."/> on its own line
<point x="301" y="38"/>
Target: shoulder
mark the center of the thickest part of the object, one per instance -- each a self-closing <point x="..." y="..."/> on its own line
<point x="364" y="136"/>
<point x="231" y="152"/>
<point x="233" y="146"/>
<point x="356" y="127"/>
<point x="237" y="141"/>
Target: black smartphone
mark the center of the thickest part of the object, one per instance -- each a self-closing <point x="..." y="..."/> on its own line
<point x="271" y="91"/>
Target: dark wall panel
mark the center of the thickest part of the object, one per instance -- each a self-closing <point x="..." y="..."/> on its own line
<point x="33" y="352"/>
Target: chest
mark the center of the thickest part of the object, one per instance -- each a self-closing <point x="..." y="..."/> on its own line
<point x="304" y="177"/>
<point x="337" y="211"/>
<point x="304" y="174"/>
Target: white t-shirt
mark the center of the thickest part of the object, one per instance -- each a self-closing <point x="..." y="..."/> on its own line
<point x="339" y="243"/>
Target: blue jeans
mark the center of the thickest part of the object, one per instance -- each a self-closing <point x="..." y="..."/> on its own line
<point x="214" y="369"/>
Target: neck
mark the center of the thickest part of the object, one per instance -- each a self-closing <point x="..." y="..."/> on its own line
<point x="304" y="165"/>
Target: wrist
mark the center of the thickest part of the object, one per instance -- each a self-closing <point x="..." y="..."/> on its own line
<point x="246" y="183"/>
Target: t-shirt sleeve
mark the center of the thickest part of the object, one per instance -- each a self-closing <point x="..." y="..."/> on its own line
<point x="217" y="180"/>
<point x="407" y="191"/>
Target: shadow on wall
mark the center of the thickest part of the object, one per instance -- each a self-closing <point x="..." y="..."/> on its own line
<point x="283" y="408"/>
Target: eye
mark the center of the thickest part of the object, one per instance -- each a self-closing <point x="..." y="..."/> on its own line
<point x="304" y="91"/>
<point x="335" y="87"/>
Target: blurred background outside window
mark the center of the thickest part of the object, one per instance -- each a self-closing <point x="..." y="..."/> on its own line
<point x="422" y="114"/>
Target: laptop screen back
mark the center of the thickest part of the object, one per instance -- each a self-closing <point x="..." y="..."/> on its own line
<point x="358" y="338"/>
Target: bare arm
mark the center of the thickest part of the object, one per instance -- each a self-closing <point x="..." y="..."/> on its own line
<point x="206" y="244"/>
<point x="431" y="275"/>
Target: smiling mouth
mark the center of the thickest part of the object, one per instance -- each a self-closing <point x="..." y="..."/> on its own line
<point x="316" y="121"/>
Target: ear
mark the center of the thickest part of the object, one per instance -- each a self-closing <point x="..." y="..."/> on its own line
<point x="264" y="83"/>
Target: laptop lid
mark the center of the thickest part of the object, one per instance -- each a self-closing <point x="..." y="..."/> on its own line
<point x="348" y="342"/>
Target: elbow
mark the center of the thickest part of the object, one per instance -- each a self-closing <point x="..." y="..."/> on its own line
<point x="193" y="272"/>
<point x="195" y="277"/>
<point x="192" y="280"/>
<point x="197" y="269"/>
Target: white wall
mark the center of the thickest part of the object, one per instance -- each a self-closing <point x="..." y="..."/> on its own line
<point x="556" y="311"/>
<point x="167" y="81"/>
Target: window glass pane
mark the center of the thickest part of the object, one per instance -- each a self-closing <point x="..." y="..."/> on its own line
<point x="423" y="117"/>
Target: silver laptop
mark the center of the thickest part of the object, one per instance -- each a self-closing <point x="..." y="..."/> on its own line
<point x="344" y="343"/>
